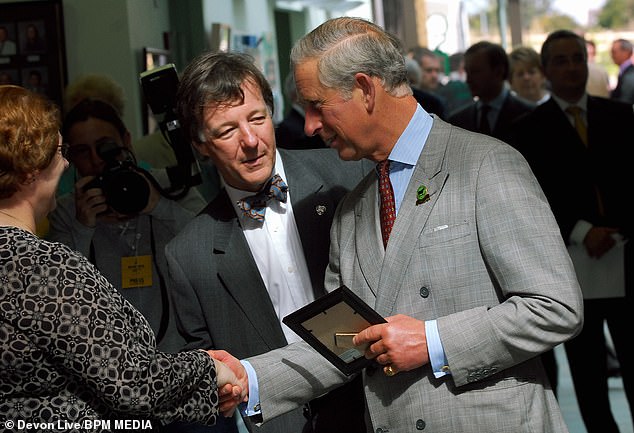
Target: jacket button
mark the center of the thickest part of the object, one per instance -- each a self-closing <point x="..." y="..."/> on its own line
<point x="424" y="292"/>
<point x="379" y="430"/>
<point x="420" y="424"/>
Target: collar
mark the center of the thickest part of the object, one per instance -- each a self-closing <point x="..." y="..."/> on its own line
<point x="497" y="102"/>
<point x="623" y="66"/>
<point x="410" y="144"/>
<point x="582" y="102"/>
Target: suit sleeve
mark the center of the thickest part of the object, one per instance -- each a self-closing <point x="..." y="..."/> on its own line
<point x="540" y="299"/>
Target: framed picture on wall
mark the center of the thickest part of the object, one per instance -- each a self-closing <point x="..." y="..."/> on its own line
<point x="32" y="47"/>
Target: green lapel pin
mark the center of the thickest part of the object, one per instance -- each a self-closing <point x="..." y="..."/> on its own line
<point x="421" y="195"/>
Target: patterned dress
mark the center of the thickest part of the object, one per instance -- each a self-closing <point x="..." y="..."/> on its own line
<point x="72" y="349"/>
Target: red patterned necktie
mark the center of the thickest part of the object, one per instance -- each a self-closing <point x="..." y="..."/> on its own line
<point x="386" y="194"/>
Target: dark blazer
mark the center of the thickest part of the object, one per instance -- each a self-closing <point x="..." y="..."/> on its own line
<point x="512" y="108"/>
<point x="221" y="301"/>
<point x="624" y="90"/>
<point x="430" y="102"/>
<point x="568" y="171"/>
<point x="289" y="134"/>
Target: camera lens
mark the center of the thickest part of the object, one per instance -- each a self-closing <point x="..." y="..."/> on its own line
<point x="126" y="191"/>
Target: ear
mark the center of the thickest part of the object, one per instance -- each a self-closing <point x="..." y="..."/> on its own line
<point x="367" y="85"/>
<point x="201" y="148"/>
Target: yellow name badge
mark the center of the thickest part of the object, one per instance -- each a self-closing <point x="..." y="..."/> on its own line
<point x="136" y="271"/>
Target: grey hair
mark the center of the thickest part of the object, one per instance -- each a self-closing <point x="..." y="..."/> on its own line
<point x="346" y="46"/>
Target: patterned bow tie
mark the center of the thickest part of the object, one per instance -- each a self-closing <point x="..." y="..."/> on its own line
<point x="254" y="206"/>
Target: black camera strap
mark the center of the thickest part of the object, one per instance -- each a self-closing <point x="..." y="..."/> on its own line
<point x="165" y="302"/>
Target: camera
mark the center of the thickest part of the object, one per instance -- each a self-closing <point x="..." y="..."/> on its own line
<point x="125" y="188"/>
<point x="159" y="87"/>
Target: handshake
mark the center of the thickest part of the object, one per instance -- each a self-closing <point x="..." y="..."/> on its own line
<point x="233" y="382"/>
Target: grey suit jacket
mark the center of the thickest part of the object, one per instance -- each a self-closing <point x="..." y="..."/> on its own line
<point x="624" y="90"/>
<point x="220" y="299"/>
<point x="484" y="257"/>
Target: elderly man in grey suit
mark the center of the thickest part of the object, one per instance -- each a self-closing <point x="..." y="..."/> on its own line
<point x="621" y="53"/>
<point x="245" y="263"/>
<point x="474" y="279"/>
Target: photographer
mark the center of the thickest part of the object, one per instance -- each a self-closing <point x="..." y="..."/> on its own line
<point x="116" y="215"/>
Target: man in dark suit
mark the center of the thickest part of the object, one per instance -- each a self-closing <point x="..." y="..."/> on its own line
<point x="487" y="68"/>
<point x="622" y="55"/>
<point x="237" y="270"/>
<point x="584" y="169"/>
<point x="289" y="134"/>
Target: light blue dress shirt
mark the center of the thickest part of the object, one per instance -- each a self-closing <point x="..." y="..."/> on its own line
<point x="403" y="159"/>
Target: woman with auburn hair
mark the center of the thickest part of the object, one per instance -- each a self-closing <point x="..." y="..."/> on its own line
<point x="72" y="349"/>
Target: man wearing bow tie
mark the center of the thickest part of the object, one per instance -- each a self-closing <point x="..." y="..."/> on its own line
<point x="259" y="250"/>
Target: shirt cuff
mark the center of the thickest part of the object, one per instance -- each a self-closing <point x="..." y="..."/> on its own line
<point x="252" y="407"/>
<point x="437" y="355"/>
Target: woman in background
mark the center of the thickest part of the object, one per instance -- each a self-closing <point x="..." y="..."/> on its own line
<point x="526" y="76"/>
<point x="71" y="348"/>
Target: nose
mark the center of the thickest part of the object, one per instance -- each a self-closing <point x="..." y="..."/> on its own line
<point x="248" y="137"/>
<point x="312" y="122"/>
<point x="97" y="163"/>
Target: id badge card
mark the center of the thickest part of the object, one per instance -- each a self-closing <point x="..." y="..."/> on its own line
<point x="136" y="271"/>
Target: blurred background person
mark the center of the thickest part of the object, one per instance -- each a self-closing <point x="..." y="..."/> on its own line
<point x="622" y="56"/>
<point x="526" y="76"/>
<point x="576" y="148"/>
<point x="151" y="150"/>
<point x="496" y="108"/>
<point x="598" y="79"/>
<point x="455" y="91"/>
<point x="289" y="133"/>
<point x="431" y="66"/>
<point x="428" y="100"/>
<point x="72" y="348"/>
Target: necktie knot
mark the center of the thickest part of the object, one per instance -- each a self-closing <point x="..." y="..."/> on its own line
<point x="580" y="125"/>
<point x="254" y="206"/>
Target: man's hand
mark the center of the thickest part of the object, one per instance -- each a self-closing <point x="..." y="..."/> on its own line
<point x="228" y="397"/>
<point x="400" y="344"/>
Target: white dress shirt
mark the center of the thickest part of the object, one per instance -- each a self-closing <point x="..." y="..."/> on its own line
<point x="278" y="253"/>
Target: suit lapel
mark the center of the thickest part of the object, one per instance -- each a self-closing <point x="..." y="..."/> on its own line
<point x="312" y="208"/>
<point x="369" y="239"/>
<point x="412" y="217"/>
<point x="245" y="287"/>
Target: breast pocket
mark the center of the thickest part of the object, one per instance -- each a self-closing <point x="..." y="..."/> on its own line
<point x="444" y="233"/>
